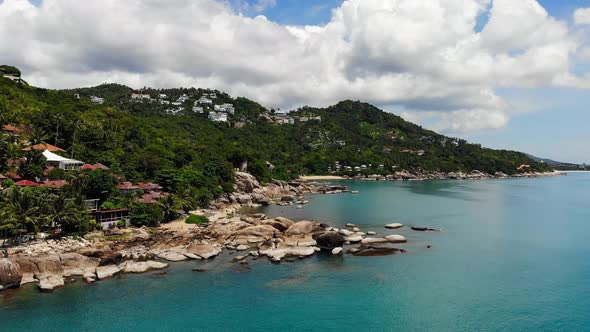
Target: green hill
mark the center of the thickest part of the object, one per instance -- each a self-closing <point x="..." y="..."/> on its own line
<point x="141" y="142"/>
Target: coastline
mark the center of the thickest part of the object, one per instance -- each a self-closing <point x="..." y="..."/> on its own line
<point x="100" y="255"/>
<point x="423" y="176"/>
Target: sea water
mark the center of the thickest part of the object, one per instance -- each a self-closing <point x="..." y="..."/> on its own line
<point x="513" y="256"/>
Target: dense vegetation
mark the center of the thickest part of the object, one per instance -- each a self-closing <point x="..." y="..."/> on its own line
<point x="194" y="158"/>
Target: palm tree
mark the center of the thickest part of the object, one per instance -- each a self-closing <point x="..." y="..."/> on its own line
<point x="169" y="207"/>
<point x="69" y="215"/>
<point x="24" y="211"/>
<point x="186" y="200"/>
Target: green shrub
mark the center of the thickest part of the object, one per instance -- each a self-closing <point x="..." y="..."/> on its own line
<point x="197" y="220"/>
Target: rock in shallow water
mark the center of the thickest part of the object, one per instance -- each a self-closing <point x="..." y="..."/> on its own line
<point x="394" y="226"/>
<point x="141" y="267"/>
<point x="329" y="240"/>
<point x="103" y="272"/>
<point x="337" y="251"/>
<point x="396" y="239"/>
<point x="51" y="282"/>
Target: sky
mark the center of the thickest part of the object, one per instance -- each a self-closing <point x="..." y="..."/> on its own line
<point x="510" y="74"/>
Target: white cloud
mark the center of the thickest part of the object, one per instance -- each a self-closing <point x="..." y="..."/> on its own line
<point x="262" y="5"/>
<point x="423" y="56"/>
<point x="582" y="16"/>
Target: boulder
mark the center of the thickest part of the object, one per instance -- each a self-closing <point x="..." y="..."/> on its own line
<point x="170" y="255"/>
<point x="372" y="240"/>
<point x="260" y="199"/>
<point x="244" y="199"/>
<point x="354" y="238"/>
<point x="242" y="247"/>
<point x="356" y="229"/>
<point x="254" y="234"/>
<point x="103" y="272"/>
<point x="277" y="254"/>
<point x="49" y="265"/>
<point x="375" y="251"/>
<point x="246" y="182"/>
<point x="337" y="251"/>
<point x="204" y="251"/>
<point x="424" y="229"/>
<point x="51" y="282"/>
<point x="28" y="278"/>
<point x="394" y="226"/>
<point x="289" y="199"/>
<point x="371" y="233"/>
<point x="10" y="274"/>
<point x="396" y="239"/>
<point x="329" y="240"/>
<point x="350" y="225"/>
<point x="280" y="223"/>
<point x="303" y="227"/>
<point x="75" y="264"/>
<point x="345" y="232"/>
<point x="141" y="267"/>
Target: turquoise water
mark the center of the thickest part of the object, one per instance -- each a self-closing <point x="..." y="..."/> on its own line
<point x="513" y="256"/>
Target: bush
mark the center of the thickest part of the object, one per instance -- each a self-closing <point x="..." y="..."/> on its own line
<point x="196" y="220"/>
<point x="122" y="224"/>
<point x="146" y="215"/>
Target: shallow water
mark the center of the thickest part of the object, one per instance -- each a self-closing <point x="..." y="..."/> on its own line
<point x="513" y="256"/>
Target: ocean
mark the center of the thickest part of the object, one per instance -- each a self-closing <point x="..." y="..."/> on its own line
<point x="512" y="256"/>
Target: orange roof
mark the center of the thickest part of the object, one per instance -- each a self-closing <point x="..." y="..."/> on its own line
<point x="27" y="183"/>
<point x="43" y="147"/>
<point x="54" y="184"/>
<point x="8" y="127"/>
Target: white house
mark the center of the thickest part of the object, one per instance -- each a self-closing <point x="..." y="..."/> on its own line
<point x="204" y="101"/>
<point x="198" y="109"/>
<point x="226" y="108"/>
<point x="61" y="162"/>
<point x="218" y="116"/>
<point x="177" y="103"/>
<point x="212" y="95"/>
<point x="162" y="96"/>
<point x="96" y="100"/>
<point x="140" y="96"/>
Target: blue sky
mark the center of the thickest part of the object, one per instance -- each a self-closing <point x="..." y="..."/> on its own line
<point x="558" y="127"/>
<point x="549" y="122"/>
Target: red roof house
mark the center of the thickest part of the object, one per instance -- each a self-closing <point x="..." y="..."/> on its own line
<point x="54" y="184"/>
<point x="43" y="147"/>
<point x="26" y="183"/>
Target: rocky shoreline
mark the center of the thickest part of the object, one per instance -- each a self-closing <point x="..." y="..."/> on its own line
<point x="474" y="175"/>
<point x="101" y="255"/>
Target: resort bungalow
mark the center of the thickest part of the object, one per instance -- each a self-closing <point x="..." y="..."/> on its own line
<point x="140" y="96"/>
<point x="61" y="162"/>
<point x="110" y="218"/>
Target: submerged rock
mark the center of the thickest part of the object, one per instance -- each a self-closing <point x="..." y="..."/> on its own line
<point x="375" y="251"/>
<point x="424" y="229"/>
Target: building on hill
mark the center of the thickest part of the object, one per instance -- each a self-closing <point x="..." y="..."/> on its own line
<point x="109" y="218"/>
<point x="218" y="116"/>
<point x="64" y="163"/>
<point x="205" y="101"/>
<point x="11" y="130"/>
<point x="94" y="167"/>
<point x="198" y="109"/>
<point x="26" y="183"/>
<point x="44" y="147"/>
<point x="96" y="100"/>
<point x="140" y="96"/>
<point x="226" y="108"/>
<point x="54" y="184"/>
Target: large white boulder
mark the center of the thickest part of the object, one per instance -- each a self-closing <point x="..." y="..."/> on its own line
<point x="103" y="272"/>
<point x="394" y="226"/>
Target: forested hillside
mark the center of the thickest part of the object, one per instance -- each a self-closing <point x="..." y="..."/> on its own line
<point x="141" y="142"/>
